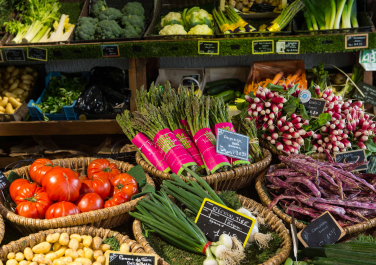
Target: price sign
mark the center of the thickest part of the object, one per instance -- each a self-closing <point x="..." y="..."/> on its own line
<point x="261" y="8"/>
<point x="215" y="219"/>
<point x="315" y="107"/>
<point x="4" y="182"/>
<point x="323" y="231"/>
<point x="189" y="82"/>
<point x="110" y="51"/>
<point x="118" y="258"/>
<point x="288" y="47"/>
<point x="262" y="46"/>
<point x="352" y="157"/>
<point x="208" y="47"/>
<point x="37" y="54"/>
<point x="356" y="41"/>
<point x="1" y="56"/>
<point x="14" y="55"/>
<point x="368" y="91"/>
<point x="232" y="144"/>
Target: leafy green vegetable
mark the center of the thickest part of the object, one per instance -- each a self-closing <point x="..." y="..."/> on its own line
<point x="303" y="112"/>
<point x="371" y="146"/>
<point x="291" y="105"/>
<point x="112" y="241"/>
<point x="362" y="238"/>
<point x="321" y="75"/>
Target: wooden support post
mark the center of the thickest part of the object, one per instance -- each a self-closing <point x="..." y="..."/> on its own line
<point x="137" y="77"/>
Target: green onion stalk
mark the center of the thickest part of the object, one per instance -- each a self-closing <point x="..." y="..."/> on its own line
<point x="248" y="127"/>
<point x="286" y="16"/>
<point x="240" y="24"/>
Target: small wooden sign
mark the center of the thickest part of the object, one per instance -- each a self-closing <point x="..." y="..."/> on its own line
<point x="323" y="231"/>
<point x="356" y="41"/>
<point x="1" y="56"/>
<point x="118" y="258"/>
<point x="315" y="107"/>
<point x="352" y="157"/>
<point x="262" y="46"/>
<point x="261" y="8"/>
<point x="4" y="182"/>
<point x="208" y="47"/>
<point x="14" y="55"/>
<point x="232" y="144"/>
<point x="37" y="54"/>
<point x="368" y="91"/>
<point x="288" y="47"/>
<point x="110" y="51"/>
<point x="215" y="219"/>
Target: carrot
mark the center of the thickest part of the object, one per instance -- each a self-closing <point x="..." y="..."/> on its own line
<point x="277" y="78"/>
<point x="294" y="77"/>
<point x="289" y="76"/>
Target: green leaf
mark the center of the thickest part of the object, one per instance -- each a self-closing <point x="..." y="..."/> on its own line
<point x="307" y="144"/>
<point x="313" y="92"/>
<point x="307" y="127"/>
<point x="303" y="112"/>
<point x="244" y="113"/>
<point x="252" y="95"/>
<point x="292" y="90"/>
<point x="291" y="105"/>
<point x="242" y="105"/>
<point x="371" y="146"/>
<point x="275" y="88"/>
<point x="324" y="118"/>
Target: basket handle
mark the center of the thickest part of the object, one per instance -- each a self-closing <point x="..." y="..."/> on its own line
<point x="195" y="80"/>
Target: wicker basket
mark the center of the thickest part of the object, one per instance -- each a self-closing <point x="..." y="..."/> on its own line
<point x="2" y="229"/>
<point x="34" y="239"/>
<point x="105" y="218"/>
<point x="260" y="181"/>
<point x="271" y="219"/>
<point x="234" y="179"/>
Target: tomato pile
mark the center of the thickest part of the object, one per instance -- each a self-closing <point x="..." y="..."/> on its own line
<point x="58" y="191"/>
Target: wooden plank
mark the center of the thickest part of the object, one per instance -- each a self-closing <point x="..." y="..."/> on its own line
<point x="137" y="77"/>
<point x="60" y="128"/>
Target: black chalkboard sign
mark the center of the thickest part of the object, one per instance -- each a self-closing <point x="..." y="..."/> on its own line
<point x="110" y="51"/>
<point x="37" y="54"/>
<point x="288" y="46"/>
<point x="368" y="91"/>
<point x="261" y="8"/>
<point x="232" y="144"/>
<point x="356" y="41"/>
<point x="315" y="107"/>
<point x="262" y="46"/>
<point x="352" y="157"/>
<point x="14" y="55"/>
<point x="215" y="219"/>
<point x="208" y="47"/>
<point x="4" y="182"/>
<point x="117" y="258"/>
<point x="189" y="82"/>
<point x="323" y="231"/>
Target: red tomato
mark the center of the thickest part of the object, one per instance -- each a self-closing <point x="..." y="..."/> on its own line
<point x="125" y="183"/>
<point x="117" y="199"/>
<point x="61" y="209"/>
<point x="32" y="201"/>
<point x="100" y="186"/>
<point x="16" y="186"/>
<point x="39" y="168"/>
<point x="102" y="168"/>
<point x="61" y="184"/>
<point x="89" y="202"/>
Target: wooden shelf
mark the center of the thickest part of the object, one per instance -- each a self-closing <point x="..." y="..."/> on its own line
<point x="89" y="127"/>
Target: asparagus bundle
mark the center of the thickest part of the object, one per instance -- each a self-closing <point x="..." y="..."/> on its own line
<point x="145" y="146"/>
<point x="248" y="127"/>
<point x="286" y="16"/>
<point x="154" y="125"/>
<point x="220" y="118"/>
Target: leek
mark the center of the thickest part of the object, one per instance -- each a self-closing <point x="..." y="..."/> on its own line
<point x="340" y="7"/>
<point x="354" y="15"/>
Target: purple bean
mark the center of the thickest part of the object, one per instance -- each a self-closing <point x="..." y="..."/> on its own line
<point x="345" y="203"/>
<point x="353" y="219"/>
<point x="329" y="157"/>
<point x="305" y="211"/>
<point x="350" y="175"/>
<point x="280" y="197"/>
<point x="353" y="195"/>
<point x="290" y="192"/>
<point x="355" y="165"/>
<point x="366" y="176"/>
<point x="282" y="172"/>
<point x="330" y="208"/>
<point x="279" y="183"/>
<point x="335" y="174"/>
<point x="305" y="200"/>
<point x="307" y="183"/>
<point x="303" y="193"/>
<point x="360" y="212"/>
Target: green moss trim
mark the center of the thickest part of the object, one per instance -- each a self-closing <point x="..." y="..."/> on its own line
<point x="184" y="48"/>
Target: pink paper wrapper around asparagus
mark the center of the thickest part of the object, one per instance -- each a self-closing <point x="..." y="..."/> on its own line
<point x="186" y="126"/>
<point x="150" y="152"/>
<point x="206" y="143"/>
<point x="229" y="127"/>
<point x="175" y="154"/>
<point x="187" y="142"/>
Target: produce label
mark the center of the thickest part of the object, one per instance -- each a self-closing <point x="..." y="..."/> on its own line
<point x="150" y="151"/>
<point x="223" y="125"/>
<point x="186" y="126"/>
<point x="232" y="144"/>
<point x="368" y="91"/>
<point x="110" y="51"/>
<point x="14" y="55"/>
<point x="215" y="219"/>
<point x="175" y="154"/>
<point x="37" y="54"/>
<point x="118" y="258"/>
<point x="323" y="231"/>
<point x="206" y="143"/>
<point x="367" y="59"/>
<point x="208" y="47"/>
<point x="315" y="106"/>
<point x="288" y="47"/>
<point x="4" y="182"/>
<point x="262" y="47"/>
<point x="188" y="144"/>
<point x="352" y="157"/>
<point x="356" y="41"/>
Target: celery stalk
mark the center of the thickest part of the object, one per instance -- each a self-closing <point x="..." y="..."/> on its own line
<point x="340" y="6"/>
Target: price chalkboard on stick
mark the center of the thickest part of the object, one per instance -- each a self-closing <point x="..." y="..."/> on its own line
<point x="208" y="47"/>
<point x="215" y="219"/>
<point x="110" y="51"/>
<point x="352" y="157"/>
<point x="118" y="258"/>
<point x="262" y="46"/>
<point x="232" y="144"/>
<point x="356" y="41"/>
<point x="4" y="182"/>
<point x="14" y="55"/>
<point x="323" y="231"/>
<point x="37" y="54"/>
<point x="261" y="8"/>
<point x="368" y="91"/>
<point x="315" y="107"/>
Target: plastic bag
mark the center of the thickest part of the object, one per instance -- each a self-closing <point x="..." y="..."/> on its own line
<point x="112" y="77"/>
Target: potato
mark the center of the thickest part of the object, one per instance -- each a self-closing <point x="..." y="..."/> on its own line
<point x="67" y="260"/>
<point x="53" y="238"/>
<point x="10" y="68"/>
<point x="58" y="262"/>
<point x="97" y="263"/>
<point x="25" y="94"/>
<point x="12" y="262"/>
<point x="19" y="91"/>
<point x="14" y="85"/>
<point x="87" y="241"/>
<point x="27" y="77"/>
<point x="4" y="102"/>
<point x="6" y="86"/>
<point x="15" y="104"/>
<point x="27" y="82"/>
<point x="29" y="69"/>
<point x="97" y="241"/>
<point x="97" y="253"/>
<point x="124" y="248"/>
<point x="15" y="72"/>
<point x="7" y="76"/>
<point x="56" y="246"/>
<point x="75" y="263"/>
<point x="61" y="251"/>
<point x="9" y="109"/>
<point x="23" y="86"/>
<point x="101" y="259"/>
<point x="64" y="239"/>
<point x="35" y="74"/>
<point x="33" y="263"/>
<point x="84" y="261"/>
<point x="73" y="244"/>
<point x="41" y="259"/>
<point x="28" y="253"/>
<point x="80" y="246"/>
<point x="19" y="256"/>
<point x="11" y="80"/>
<point x="52" y="256"/>
<point x="41" y="248"/>
<point x="76" y="236"/>
<point x="105" y="247"/>
<point x="89" y="254"/>
<point x="71" y="253"/>
<point x="23" y="262"/>
<point x="81" y="253"/>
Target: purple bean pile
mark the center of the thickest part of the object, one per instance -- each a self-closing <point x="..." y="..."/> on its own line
<point x="310" y="188"/>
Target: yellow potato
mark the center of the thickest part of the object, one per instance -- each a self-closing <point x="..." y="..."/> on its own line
<point x="80" y="246"/>
<point x="51" y="256"/>
<point x="9" y="109"/>
<point x="97" y="263"/>
<point x="29" y="69"/>
<point x="76" y="236"/>
<point x="58" y="262"/>
<point x="71" y="253"/>
<point x="19" y="256"/>
<point x="35" y="74"/>
<point x="28" y="253"/>
<point x="4" y="102"/>
<point x="124" y="248"/>
<point x="73" y="244"/>
<point x="27" y="82"/>
<point x="61" y="251"/>
<point x="101" y="259"/>
<point x="64" y="239"/>
<point x="43" y="247"/>
<point x="12" y="262"/>
<point x="105" y="247"/>
<point x="15" y="72"/>
<point x="75" y="263"/>
<point x="97" y="253"/>
<point x="7" y="76"/>
<point x="56" y="246"/>
<point x="23" y="262"/>
<point x="33" y="263"/>
<point x="27" y="77"/>
<point x="53" y="238"/>
<point x="97" y="241"/>
<point x="84" y="261"/>
<point x="19" y="91"/>
<point x="87" y="241"/>
<point x="89" y="254"/>
<point x="14" y="85"/>
<point x="11" y="80"/>
<point x="24" y="86"/>
<point x="10" y="68"/>
<point x="81" y="253"/>
<point x="41" y="259"/>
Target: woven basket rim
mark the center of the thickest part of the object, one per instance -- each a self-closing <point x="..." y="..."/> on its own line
<point x="33" y="239"/>
<point x="274" y="222"/>
<point x="2" y="229"/>
<point x="92" y="216"/>
<point x="229" y="175"/>
<point x="287" y="218"/>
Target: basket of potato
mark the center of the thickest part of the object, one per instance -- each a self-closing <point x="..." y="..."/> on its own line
<point x="15" y="87"/>
<point x="82" y="245"/>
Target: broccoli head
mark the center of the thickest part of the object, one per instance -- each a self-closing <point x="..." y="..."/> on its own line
<point x="85" y="32"/>
<point x="87" y="20"/>
<point x="134" y="20"/>
<point x="110" y="14"/>
<point x="109" y="29"/>
<point x="134" y="8"/>
<point x="98" y="7"/>
<point x="130" y="32"/>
